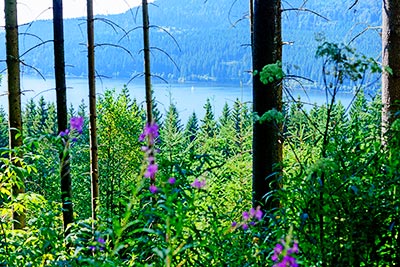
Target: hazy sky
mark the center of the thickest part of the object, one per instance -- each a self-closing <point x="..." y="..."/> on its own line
<point x="29" y="10"/>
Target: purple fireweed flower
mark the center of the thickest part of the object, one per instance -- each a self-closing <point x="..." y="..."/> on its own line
<point x="171" y="180"/>
<point x="259" y="214"/>
<point x="151" y="171"/>
<point x="252" y="212"/>
<point x="198" y="184"/>
<point x="76" y="124"/>
<point x="294" y="249"/>
<point x="150" y="131"/>
<point x="234" y="224"/>
<point x="245" y="215"/>
<point x="153" y="189"/>
<point x="245" y="226"/>
<point x="64" y="133"/>
<point x="283" y="255"/>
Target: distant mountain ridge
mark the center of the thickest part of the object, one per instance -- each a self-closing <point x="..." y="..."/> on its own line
<point x="213" y="39"/>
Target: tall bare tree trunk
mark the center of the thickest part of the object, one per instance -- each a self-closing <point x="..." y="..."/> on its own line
<point x="146" y="50"/>
<point x="62" y="112"/>
<point x="94" y="169"/>
<point x="267" y="146"/>
<point x="390" y="58"/>
<point x="14" y="96"/>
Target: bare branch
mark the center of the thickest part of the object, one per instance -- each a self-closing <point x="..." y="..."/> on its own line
<point x="128" y="32"/>
<point x="32" y="67"/>
<point x="364" y="31"/>
<point x="229" y="13"/>
<point x="36" y="46"/>
<point x="161" y="78"/>
<point x="134" y="77"/>
<point x="117" y="46"/>
<point x="170" y="35"/>
<point x="112" y="24"/>
<point x="30" y="34"/>
<point x="353" y="5"/>
<point x="165" y="53"/>
<point x="305" y="10"/>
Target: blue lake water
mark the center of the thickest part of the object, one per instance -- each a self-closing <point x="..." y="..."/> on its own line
<point x="188" y="97"/>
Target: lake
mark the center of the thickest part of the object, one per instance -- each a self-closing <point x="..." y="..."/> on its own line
<point x="188" y="97"/>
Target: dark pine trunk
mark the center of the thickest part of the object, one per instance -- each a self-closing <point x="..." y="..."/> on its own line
<point x="390" y="58"/>
<point x="62" y="112"/>
<point x="94" y="169"/>
<point x="14" y="97"/>
<point x="267" y="146"/>
<point x="146" y="49"/>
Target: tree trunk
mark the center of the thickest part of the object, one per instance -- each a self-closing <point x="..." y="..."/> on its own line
<point x="14" y="97"/>
<point x="62" y="111"/>
<point x="267" y="146"/>
<point x="94" y="169"/>
<point x="391" y="59"/>
<point x="146" y="50"/>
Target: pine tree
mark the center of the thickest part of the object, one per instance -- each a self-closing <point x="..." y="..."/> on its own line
<point x="192" y="128"/>
<point x="29" y="117"/>
<point x="208" y="126"/>
<point x="3" y="128"/>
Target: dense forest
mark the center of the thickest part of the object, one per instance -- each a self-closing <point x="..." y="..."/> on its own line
<point x="276" y="182"/>
<point x="214" y="32"/>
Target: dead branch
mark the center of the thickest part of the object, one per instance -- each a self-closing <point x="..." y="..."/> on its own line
<point x="305" y="10"/>
<point x="169" y="34"/>
<point x="165" y="53"/>
<point x="117" y="46"/>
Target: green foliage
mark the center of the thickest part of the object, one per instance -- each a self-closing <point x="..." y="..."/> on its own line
<point x="271" y="73"/>
<point x="270" y="116"/>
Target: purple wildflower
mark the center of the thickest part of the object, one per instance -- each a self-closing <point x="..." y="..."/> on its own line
<point x="294" y="249"/>
<point x="283" y="254"/>
<point x="153" y="189"/>
<point x="101" y="240"/>
<point x="151" y="171"/>
<point x="234" y="224"/>
<point x="198" y="184"/>
<point x="171" y="180"/>
<point x="64" y="133"/>
<point x="76" y="124"/>
<point x="150" y="131"/>
<point x="259" y="214"/>
<point x="245" y="226"/>
<point x="246" y="215"/>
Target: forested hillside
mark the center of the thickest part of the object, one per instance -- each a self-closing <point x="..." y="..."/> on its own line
<point x="276" y="181"/>
<point x="210" y="39"/>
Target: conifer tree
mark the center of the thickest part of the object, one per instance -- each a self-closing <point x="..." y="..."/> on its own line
<point x="3" y="128"/>
<point x="29" y="117"/>
<point x="208" y="126"/>
<point x="192" y="127"/>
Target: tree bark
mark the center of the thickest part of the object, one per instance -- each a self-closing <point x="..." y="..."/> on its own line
<point x="267" y="145"/>
<point x="62" y="111"/>
<point x="14" y="97"/>
<point x="94" y="169"/>
<point x="391" y="59"/>
<point x="146" y="50"/>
